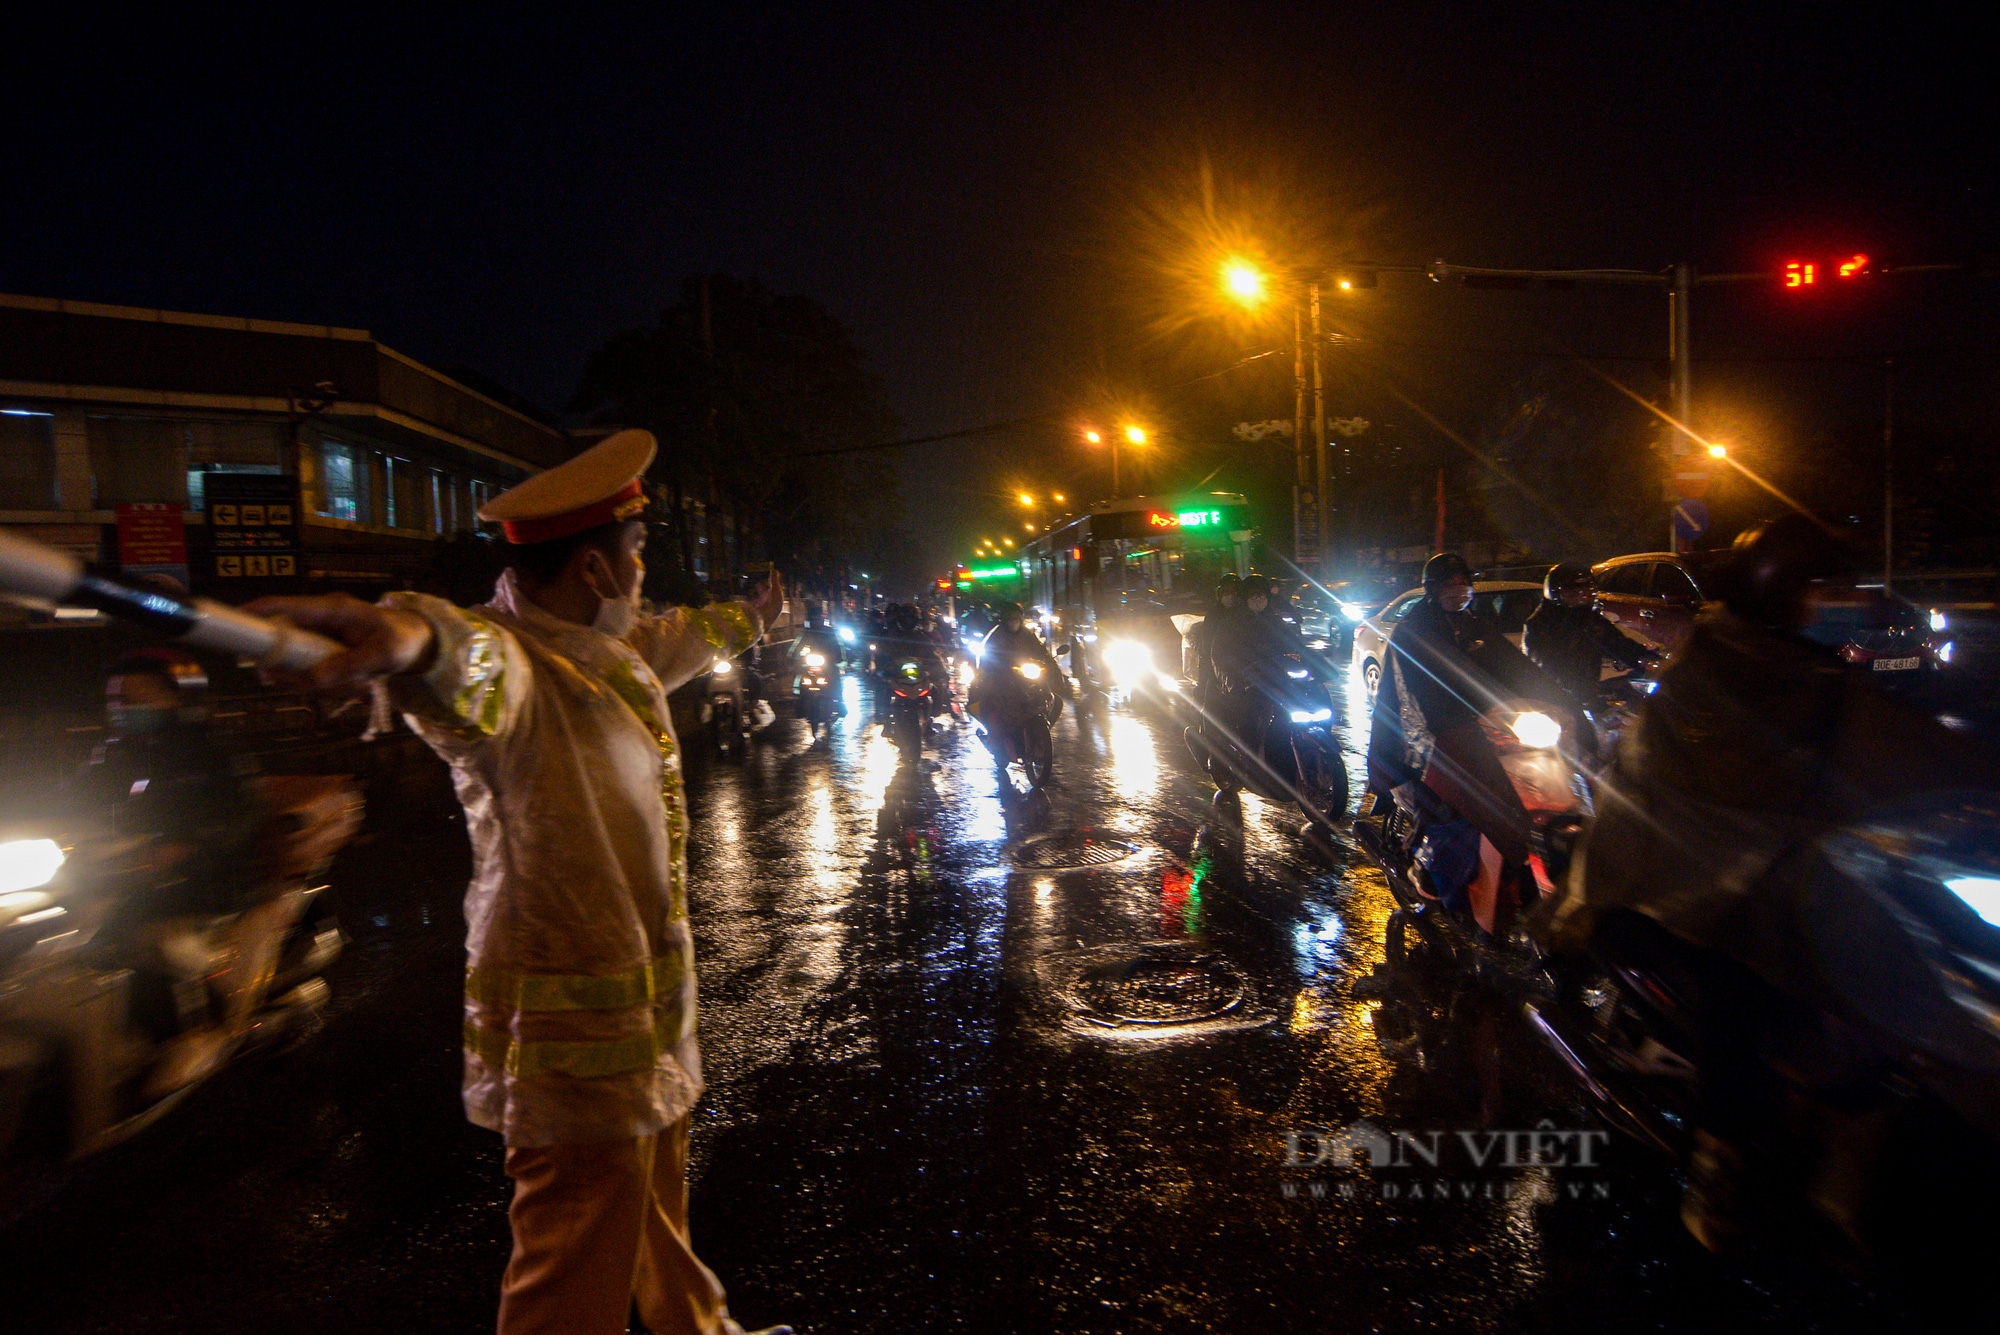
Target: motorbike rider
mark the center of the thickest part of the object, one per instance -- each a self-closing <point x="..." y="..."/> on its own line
<point x="1225" y="607"/>
<point x="1758" y="740"/>
<point x="1241" y="648"/>
<point x="1445" y="667"/>
<point x="818" y="637"/>
<point x="1568" y="638"/>
<point x="1010" y="643"/>
<point x="903" y="633"/>
<point x="163" y="776"/>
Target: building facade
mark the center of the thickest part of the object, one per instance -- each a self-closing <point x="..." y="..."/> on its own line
<point x="110" y="407"/>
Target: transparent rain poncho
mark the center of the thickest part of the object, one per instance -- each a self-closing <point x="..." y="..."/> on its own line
<point x="580" y="989"/>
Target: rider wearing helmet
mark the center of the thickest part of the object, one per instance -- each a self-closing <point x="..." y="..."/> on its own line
<point x="1445" y="667"/>
<point x="902" y="634"/>
<point x="1202" y="637"/>
<point x="1568" y="638"/>
<point x="1010" y="644"/>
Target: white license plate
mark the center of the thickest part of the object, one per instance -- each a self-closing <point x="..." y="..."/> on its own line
<point x="1897" y="664"/>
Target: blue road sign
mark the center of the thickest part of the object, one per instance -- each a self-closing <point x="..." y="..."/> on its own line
<point x="1690" y="519"/>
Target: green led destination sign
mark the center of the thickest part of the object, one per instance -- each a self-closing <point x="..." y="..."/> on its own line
<point x="993" y="572"/>
<point x="1200" y="518"/>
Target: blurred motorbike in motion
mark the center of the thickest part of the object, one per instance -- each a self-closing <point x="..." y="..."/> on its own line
<point x="110" y="1012"/>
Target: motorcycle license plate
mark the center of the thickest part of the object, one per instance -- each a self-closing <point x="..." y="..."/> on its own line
<point x="1897" y="664"/>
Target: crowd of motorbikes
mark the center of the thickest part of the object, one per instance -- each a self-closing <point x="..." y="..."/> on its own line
<point x="1750" y="903"/>
<point x="1763" y="930"/>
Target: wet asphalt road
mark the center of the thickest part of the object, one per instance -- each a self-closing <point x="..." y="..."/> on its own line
<point x="929" y="1108"/>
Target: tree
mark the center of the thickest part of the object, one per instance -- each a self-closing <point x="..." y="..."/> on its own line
<point x="746" y="389"/>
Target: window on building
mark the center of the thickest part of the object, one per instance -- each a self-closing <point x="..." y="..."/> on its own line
<point x="406" y="494"/>
<point x="27" y="460"/>
<point x="228" y="447"/>
<point x="343" y="481"/>
<point x="440" y="493"/>
<point x="137" y="459"/>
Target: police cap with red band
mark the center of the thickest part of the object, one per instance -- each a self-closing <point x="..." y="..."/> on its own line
<point x="597" y="487"/>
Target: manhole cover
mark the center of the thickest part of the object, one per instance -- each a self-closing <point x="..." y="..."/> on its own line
<point x="1159" y="988"/>
<point x="1073" y="848"/>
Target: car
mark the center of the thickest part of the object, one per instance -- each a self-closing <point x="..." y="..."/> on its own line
<point x="1331" y="612"/>
<point x="1653" y="596"/>
<point x="1508" y="601"/>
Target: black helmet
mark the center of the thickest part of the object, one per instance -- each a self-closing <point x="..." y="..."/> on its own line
<point x="1562" y="578"/>
<point x="1010" y="612"/>
<point x="1230" y="585"/>
<point x="1444" y="566"/>
<point x="1256" y="586"/>
<point x="901" y="618"/>
<point x="1772" y="563"/>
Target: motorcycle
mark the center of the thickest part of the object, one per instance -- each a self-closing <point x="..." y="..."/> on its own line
<point x="728" y="710"/>
<point x="815" y="690"/>
<point x="1023" y="705"/>
<point x="1287" y="751"/>
<point x="1397" y="833"/>
<point x="909" y="696"/>
<point x="94" y="992"/>
<point x="1892" y="1040"/>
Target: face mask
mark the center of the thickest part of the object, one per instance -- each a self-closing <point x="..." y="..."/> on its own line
<point x="615" y="616"/>
<point x="138" y="718"/>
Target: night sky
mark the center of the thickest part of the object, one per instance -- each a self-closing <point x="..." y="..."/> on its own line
<point x="995" y="199"/>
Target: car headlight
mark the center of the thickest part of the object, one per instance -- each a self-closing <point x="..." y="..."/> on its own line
<point x="1980" y="893"/>
<point x="1537" y="730"/>
<point x="1127" y="659"/>
<point x="1944" y="652"/>
<point x="965" y="673"/>
<point x="28" y="863"/>
<point x="1311" y="715"/>
<point x="1354" y="611"/>
<point x="1939" y="621"/>
<point x="815" y="660"/>
<point x="724" y="667"/>
<point x="1032" y="671"/>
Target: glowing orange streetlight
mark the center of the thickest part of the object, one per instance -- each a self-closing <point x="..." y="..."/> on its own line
<point x="1026" y="499"/>
<point x="1718" y="451"/>
<point x="1244" y="282"/>
<point x="1136" y="434"/>
<point x="1093" y="437"/>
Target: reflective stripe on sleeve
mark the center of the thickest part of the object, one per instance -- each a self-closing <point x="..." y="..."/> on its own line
<point x="584" y="1060"/>
<point x="576" y="991"/>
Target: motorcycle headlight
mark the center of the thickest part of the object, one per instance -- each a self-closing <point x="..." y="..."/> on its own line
<point x="1032" y="671"/>
<point x="1980" y="893"/>
<point x="815" y="660"/>
<point x="846" y="635"/>
<point x="26" y="864"/>
<point x="1939" y="621"/>
<point x="1311" y="715"/>
<point x="1537" y="730"/>
<point x="1297" y="675"/>
<point x="965" y="673"/>
<point x="724" y="667"/>
<point x="1354" y="611"/>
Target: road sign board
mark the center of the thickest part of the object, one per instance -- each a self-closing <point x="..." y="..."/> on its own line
<point x="253" y="524"/>
<point x="1690" y="520"/>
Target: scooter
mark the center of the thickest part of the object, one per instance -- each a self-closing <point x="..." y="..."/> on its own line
<point x="909" y="688"/>
<point x="1287" y="751"/>
<point x="95" y="994"/>
<point x="1898" y="920"/>
<point x="815" y="690"/>
<point x="1023" y="705"/>
<point x="728" y="710"/>
<point x="1402" y="835"/>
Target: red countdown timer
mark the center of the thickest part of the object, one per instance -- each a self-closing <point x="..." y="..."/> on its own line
<point x="1806" y="273"/>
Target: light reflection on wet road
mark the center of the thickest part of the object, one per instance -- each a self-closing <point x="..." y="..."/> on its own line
<point x="948" y="1091"/>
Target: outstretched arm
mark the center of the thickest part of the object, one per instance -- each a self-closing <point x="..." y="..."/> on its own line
<point x="686" y="642"/>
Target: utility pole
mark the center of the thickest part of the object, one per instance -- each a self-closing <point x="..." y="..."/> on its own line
<point x="1888" y="470"/>
<point x="1680" y="352"/>
<point x="1322" y="508"/>
<point x="1303" y="548"/>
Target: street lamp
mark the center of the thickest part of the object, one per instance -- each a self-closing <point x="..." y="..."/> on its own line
<point x="1026" y="499"/>
<point x="1244" y="282"/>
<point x="1718" y="451"/>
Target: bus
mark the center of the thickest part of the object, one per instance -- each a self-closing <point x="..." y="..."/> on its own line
<point x="1118" y="575"/>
